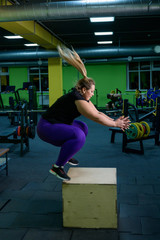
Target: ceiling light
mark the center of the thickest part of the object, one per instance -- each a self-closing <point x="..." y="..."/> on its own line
<point x="31" y="44"/>
<point x="102" y="19"/>
<point x="157" y="49"/>
<point x="103" y="33"/>
<point x="105" y="42"/>
<point x="13" y="37"/>
<point x="95" y="1"/>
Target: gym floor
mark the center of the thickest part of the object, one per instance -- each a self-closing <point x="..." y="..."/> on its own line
<point x="31" y="198"/>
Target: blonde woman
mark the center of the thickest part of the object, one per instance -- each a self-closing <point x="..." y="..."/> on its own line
<point x="58" y="125"/>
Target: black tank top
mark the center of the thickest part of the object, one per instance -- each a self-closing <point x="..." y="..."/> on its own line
<point x="64" y="110"/>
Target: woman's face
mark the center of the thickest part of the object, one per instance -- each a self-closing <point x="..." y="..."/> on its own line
<point x="87" y="94"/>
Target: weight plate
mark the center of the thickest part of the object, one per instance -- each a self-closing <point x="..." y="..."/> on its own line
<point x="132" y="132"/>
<point x="138" y="133"/>
<point x="19" y="130"/>
<point x="147" y="128"/>
<point x="140" y="130"/>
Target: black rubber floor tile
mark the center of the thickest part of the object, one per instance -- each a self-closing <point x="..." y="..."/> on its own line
<point x="25" y="220"/>
<point x="39" y="186"/>
<point x="129" y="188"/>
<point x="128" y="198"/>
<point x="150" y="225"/>
<point x="34" y="234"/>
<point x="33" y="206"/>
<point x="94" y="234"/>
<point x="6" y="219"/>
<point x="128" y="210"/>
<point x="12" y="234"/>
<point x="130" y="224"/>
<point x="146" y="199"/>
<point x="13" y="194"/>
<point x="43" y="195"/>
<point x="128" y="236"/>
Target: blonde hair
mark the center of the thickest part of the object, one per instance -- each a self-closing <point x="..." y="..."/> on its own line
<point x="74" y="59"/>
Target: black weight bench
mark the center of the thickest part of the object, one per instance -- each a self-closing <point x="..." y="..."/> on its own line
<point x="4" y="151"/>
<point x="125" y="141"/>
<point x="114" y="131"/>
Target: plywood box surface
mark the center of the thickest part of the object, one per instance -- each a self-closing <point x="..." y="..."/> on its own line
<point x="90" y="198"/>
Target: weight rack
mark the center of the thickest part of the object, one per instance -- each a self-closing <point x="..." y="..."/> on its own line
<point x="125" y="140"/>
<point x="12" y="137"/>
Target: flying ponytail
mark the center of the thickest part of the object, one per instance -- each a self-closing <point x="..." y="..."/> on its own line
<point x="71" y="57"/>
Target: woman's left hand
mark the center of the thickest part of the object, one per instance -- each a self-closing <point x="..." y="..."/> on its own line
<point x="125" y="122"/>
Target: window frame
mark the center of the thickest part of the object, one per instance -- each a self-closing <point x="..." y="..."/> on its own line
<point x="39" y="73"/>
<point x="3" y="74"/>
<point x="151" y="69"/>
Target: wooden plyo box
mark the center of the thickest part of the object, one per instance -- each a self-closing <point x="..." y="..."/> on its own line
<point x="90" y="198"/>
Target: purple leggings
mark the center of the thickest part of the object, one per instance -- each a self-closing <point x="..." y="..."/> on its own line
<point x="70" y="138"/>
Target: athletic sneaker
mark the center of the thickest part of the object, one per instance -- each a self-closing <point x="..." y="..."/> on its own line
<point x="59" y="172"/>
<point x="73" y="161"/>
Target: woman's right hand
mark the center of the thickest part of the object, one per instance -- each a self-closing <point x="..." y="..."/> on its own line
<point x="123" y="123"/>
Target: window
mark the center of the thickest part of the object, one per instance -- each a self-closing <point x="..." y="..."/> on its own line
<point x="145" y="80"/>
<point x="143" y="75"/>
<point x="39" y="78"/>
<point x="133" y="66"/>
<point x="4" y="78"/>
<point x="133" y="77"/>
<point x="156" y="79"/>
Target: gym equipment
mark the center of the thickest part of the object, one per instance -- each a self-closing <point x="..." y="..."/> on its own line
<point x="139" y="130"/>
<point x="153" y="94"/>
<point x="16" y="104"/>
<point x="32" y="103"/>
<point x="84" y="198"/>
<point x="14" y="117"/>
<point x="137" y="93"/>
<point x="19" y="135"/>
<point x="4" y="151"/>
<point x="29" y="130"/>
<point x="146" y="128"/>
<point x="130" y="110"/>
<point x="132" y="132"/>
<point x="25" y="130"/>
<point x="1" y="102"/>
<point x="141" y="102"/>
<point x="11" y="90"/>
<point x="25" y="87"/>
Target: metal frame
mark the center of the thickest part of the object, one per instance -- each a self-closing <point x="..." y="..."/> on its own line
<point x="125" y="140"/>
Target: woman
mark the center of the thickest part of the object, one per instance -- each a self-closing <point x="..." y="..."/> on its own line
<point x="58" y="125"/>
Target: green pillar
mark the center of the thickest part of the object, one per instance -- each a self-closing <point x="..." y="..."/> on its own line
<point x="55" y="79"/>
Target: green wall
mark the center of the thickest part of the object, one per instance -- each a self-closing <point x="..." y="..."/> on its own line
<point x="18" y="75"/>
<point x="108" y="77"/>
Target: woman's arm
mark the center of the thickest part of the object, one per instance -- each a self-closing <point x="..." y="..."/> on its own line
<point x="88" y="110"/>
<point x="106" y="116"/>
